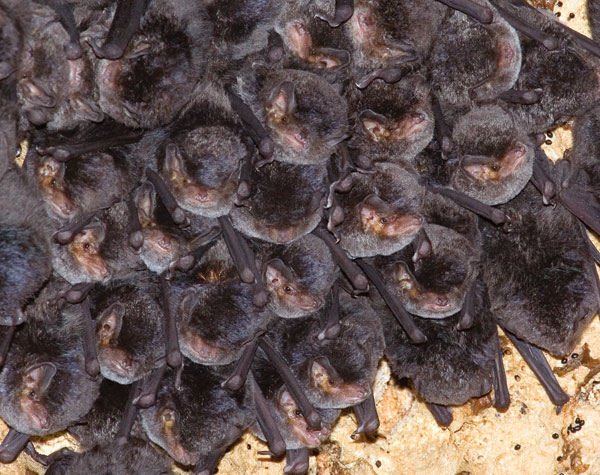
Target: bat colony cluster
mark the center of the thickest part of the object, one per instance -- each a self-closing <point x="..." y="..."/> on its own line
<point x="217" y="206"/>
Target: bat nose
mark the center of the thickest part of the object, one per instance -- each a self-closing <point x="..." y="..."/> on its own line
<point x="442" y="301"/>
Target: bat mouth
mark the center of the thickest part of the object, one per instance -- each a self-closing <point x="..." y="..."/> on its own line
<point x="295" y="138"/>
<point x="348" y="394"/>
<point x="60" y="204"/>
<point x="282" y="235"/>
<point x="159" y="242"/>
<point x="36" y="414"/>
<point x="179" y="453"/>
<point x="410" y="125"/>
<point x="94" y="265"/>
<point x="119" y="362"/>
<point x="310" y="303"/>
<point x="199" y="350"/>
<point x="437" y="302"/>
<point x="311" y="438"/>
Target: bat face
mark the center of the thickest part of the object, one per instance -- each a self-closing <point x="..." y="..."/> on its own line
<point x="202" y="172"/>
<point x="301" y="37"/>
<point x="161" y="245"/>
<point x="435" y="286"/>
<point x="82" y="260"/>
<point x="394" y="121"/>
<point x="292" y="418"/>
<point x="376" y="44"/>
<point x="496" y="157"/>
<point x="334" y="373"/>
<point x="129" y="335"/>
<point x="304" y="116"/>
<point x="381" y="215"/>
<point x="306" y="266"/>
<point x="289" y="294"/>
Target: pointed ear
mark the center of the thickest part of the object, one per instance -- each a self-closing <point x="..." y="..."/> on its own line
<point x="286" y="401"/>
<point x="173" y="161"/>
<point x="375" y="203"/>
<point x="146" y="201"/>
<point x="283" y="98"/>
<point x="188" y="302"/>
<point x="322" y="373"/>
<point x="39" y="376"/>
<point x="423" y="246"/>
<point x="277" y="272"/>
<point x="52" y="167"/>
<point x="97" y="229"/>
<point x="88" y="110"/>
<point x="372" y="122"/>
<point x="110" y="322"/>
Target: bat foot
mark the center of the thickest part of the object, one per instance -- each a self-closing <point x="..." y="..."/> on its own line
<point x="145" y="400"/>
<point x="64" y="237"/>
<point x="233" y="383"/>
<point x="92" y="368"/>
<point x="330" y="333"/>
<point x="174" y="359"/>
<point x="244" y="190"/>
<point x="260" y="298"/>
<point x="185" y="263"/>
<point x="275" y="54"/>
<point x="314" y="419"/>
<point x="136" y="240"/>
<point x="73" y="50"/>
<point x="178" y="215"/>
<point x="266" y="147"/>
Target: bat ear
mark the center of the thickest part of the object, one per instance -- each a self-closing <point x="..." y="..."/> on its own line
<point x="287" y="402"/>
<point x="110" y="321"/>
<point x="39" y="376"/>
<point x="88" y="110"/>
<point x="275" y="271"/>
<point x="173" y="160"/>
<point x="423" y="246"/>
<point x="375" y="202"/>
<point x="52" y="167"/>
<point x="300" y="39"/>
<point x="372" y="122"/>
<point x="146" y="201"/>
<point x="36" y="94"/>
<point x="322" y="373"/>
<point x="188" y="302"/>
<point x="97" y="229"/>
<point x="283" y="98"/>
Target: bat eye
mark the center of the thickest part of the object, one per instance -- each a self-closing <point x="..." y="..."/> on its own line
<point x="32" y="395"/>
<point x="18" y="151"/>
<point x="87" y="246"/>
<point x="298" y="413"/>
<point x="284" y="119"/>
<point x="495" y="167"/>
<point x="53" y="182"/>
<point x="383" y="220"/>
<point x="288" y="289"/>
